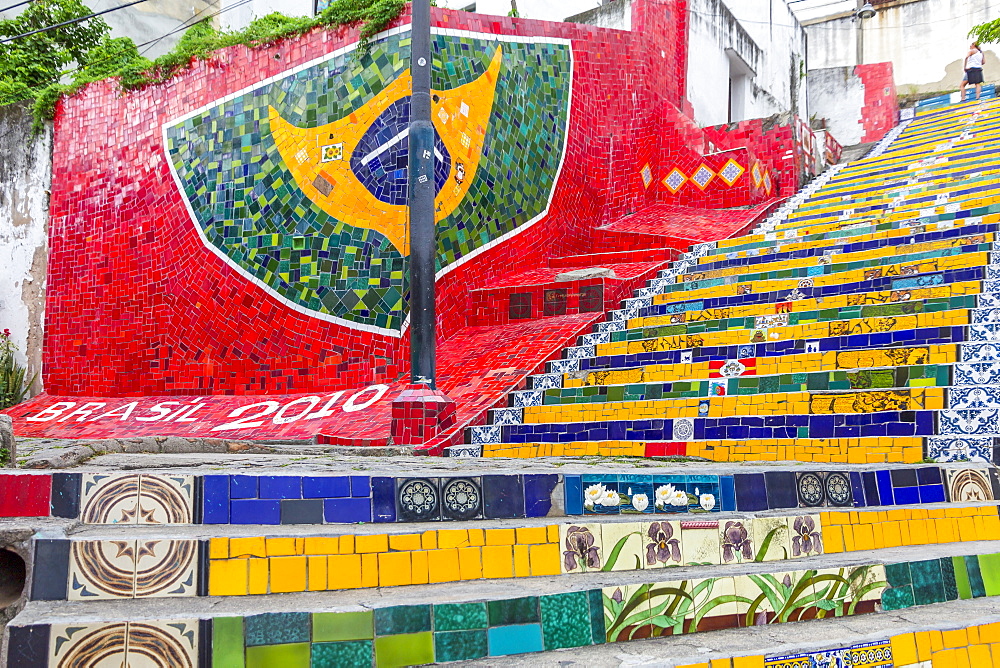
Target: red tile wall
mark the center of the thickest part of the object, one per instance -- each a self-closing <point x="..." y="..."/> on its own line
<point x="881" y="110"/>
<point x="136" y="305"/>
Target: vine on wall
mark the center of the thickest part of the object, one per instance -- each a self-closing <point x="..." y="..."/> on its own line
<point x="46" y="66"/>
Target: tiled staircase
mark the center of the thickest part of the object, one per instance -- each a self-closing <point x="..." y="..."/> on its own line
<point x="835" y="372"/>
<point x="857" y="327"/>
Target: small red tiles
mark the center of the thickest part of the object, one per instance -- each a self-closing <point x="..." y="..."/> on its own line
<point x="881" y="109"/>
<point x="420" y="414"/>
<point x="25" y="495"/>
<point x="149" y="332"/>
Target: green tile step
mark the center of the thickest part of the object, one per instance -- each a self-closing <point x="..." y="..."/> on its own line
<point x="466" y="620"/>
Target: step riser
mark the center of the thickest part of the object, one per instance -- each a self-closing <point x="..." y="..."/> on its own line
<point x="429" y="633"/>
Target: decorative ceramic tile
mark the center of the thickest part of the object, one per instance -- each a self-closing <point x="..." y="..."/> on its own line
<point x="527" y="398"/>
<point x="977" y="373"/>
<point x="546" y="381"/>
<point x="771" y="538"/>
<point x="581" y="546"/>
<point x="969" y="485"/>
<point x="625" y="548"/>
<point x="166" y="499"/>
<point x="974" y="398"/>
<point x="700" y="542"/>
<point x="670" y="494"/>
<point x="166" y="568"/>
<point x="73" y="645"/>
<point x="637" y="494"/>
<point x="806" y="535"/>
<point x="464" y="451"/>
<point x="461" y="498"/>
<point x="661" y="544"/>
<point x="601" y="495"/>
<point x="715" y="605"/>
<point x="626" y="612"/>
<point x="163" y="644"/>
<point x="486" y="435"/>
<point x="972" y="422"/>
<point x="683" y="429"/>
<point x="980" y="352"/>
<point x="984" y="332"/>
<point x="504" y="416"/>
<point x="838" y="489"/>
<point x="811" y="489"/>
<point x="418" y="499"/>
<point x="571" y="365"/>
<point x="109" y="499"/>
<point x="736" y="539"/>
<point x="943" y="449"/>
<point x="101" y="569"/>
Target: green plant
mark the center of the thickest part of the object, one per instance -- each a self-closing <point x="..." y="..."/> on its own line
<point x="13" y="387"/>
<point x="35" y="67"/>
<point x="987" y="32"/>
<point x="34" y="61"/>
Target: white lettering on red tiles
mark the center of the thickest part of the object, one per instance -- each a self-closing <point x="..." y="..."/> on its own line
<point x="257" y="414"/>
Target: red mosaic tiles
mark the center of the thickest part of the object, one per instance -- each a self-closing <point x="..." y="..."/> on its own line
<point x="419" y="414"/>
<point x="139" y="310"/>
<point x="25" y="495"/>
<point x="880" y="112"/>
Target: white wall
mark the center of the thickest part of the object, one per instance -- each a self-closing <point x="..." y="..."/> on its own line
<point x="544" y="10"/>
<point x="25" y="174"/>
<point x="238" y="15"/>
<point x="151" y="21"/>
<point x="838" y="96"/>
<point x="767" y="37"/>
<point x="925" y="40"/>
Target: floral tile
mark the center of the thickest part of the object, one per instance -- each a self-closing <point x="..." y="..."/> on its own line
<point x="601" y="495"/>
<point x="638" y="496"/>
<point x="771" y="538"/>
<point x="703" y="494"/>
<point x="736" y="540"/>
<point x="662" y="544"/>
<point x="166" y="499"/>
<point x="670" y="607"/>
<point x="624" y="547"/>
<point x="759" y="590"/>
<point x="716" y="605"/>
<point x="670" y="494"/>
<point x="626" y="612"/>
<point x="805" y="535"/>
<point x="700" y="542"/>
<point x="581" y="547"/>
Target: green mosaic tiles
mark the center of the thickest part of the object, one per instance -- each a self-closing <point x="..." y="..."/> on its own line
<point x="323" y="245"/>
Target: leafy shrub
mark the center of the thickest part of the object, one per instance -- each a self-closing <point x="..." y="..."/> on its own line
<point x="13" y="386"/>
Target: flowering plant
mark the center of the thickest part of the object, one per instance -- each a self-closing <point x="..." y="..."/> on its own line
<point x="13" y="387"/>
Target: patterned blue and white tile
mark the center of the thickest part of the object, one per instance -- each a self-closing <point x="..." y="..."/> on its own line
<point x="943" y="449"/>
<point x="504" y="416"/>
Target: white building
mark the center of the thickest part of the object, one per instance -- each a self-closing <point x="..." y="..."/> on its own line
<point x="925" y="40"/>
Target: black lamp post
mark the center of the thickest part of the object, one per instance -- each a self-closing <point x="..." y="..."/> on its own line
<point x="423" y="236"/>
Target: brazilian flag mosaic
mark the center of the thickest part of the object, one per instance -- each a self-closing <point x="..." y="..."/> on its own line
<point x="300" y="182"/>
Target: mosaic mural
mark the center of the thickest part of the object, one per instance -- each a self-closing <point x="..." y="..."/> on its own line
<point x="300" y="182"/>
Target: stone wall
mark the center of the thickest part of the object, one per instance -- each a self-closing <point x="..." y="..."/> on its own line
<point x="25" y="174"/>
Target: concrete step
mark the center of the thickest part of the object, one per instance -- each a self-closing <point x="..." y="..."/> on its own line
<point x="440" y="622"/>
